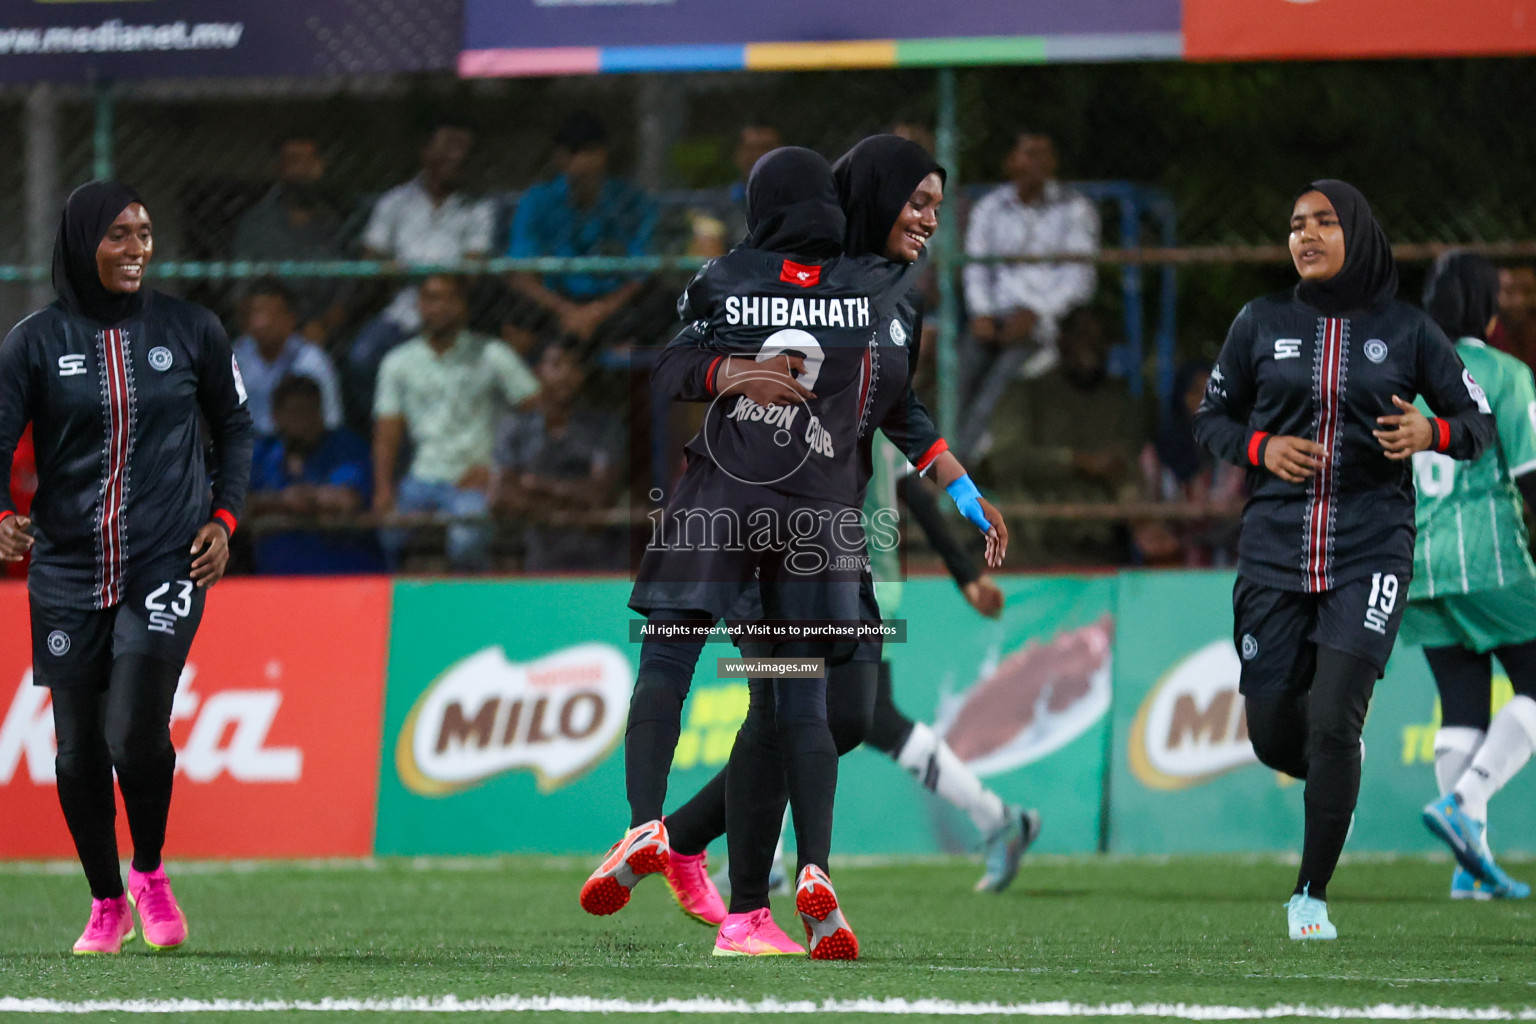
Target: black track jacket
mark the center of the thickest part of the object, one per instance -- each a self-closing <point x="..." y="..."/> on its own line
<point x="123" y="480"/>
<point x="1288" y="369"/>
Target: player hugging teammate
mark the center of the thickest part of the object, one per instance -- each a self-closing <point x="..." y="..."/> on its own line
<point x="784" y="320"/>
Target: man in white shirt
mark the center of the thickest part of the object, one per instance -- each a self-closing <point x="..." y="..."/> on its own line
<point x="447" y="387"/>
<point x="272" y="348"/>
<point x="428" y="219"/>
<point x="1016" y="309"/>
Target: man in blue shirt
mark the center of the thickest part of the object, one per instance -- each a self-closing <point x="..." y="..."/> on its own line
<point x="584" y="212"/>
<point x="308" y="471"/>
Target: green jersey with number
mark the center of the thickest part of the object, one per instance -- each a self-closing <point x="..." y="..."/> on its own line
<point x="1470" y="517"/>
<point x="882" y="522"/>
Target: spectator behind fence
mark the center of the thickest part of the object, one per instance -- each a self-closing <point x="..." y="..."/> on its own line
<point x="584" y="212"/>
<point x="1515" y="330"/>
<point x="448" y="388"/>
<point x="717" y="226"/>
<point x="1016" y="309"/>
<point x="295" y="221"/>
<point x="1072" y="435"/>
<point x="1177" y="471"/>
<point x="429" y="219"/>
<point x="559" y="457"/>
<point x="271" y="348"/>
<point x="308" y="469"/>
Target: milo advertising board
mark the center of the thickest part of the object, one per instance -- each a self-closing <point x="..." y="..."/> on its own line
<point x="1183" y="774"/>
<point x="506" y="704"/>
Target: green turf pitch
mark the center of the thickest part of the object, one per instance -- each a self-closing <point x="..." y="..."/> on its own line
<point x="1203" y="931"/>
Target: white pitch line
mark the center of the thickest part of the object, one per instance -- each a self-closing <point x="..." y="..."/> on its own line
<point x="702" y="1005"/>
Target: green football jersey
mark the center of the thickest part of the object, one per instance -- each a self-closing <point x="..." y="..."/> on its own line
<point x="1470" y="516"/>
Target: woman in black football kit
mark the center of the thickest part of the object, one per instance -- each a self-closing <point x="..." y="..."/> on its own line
<point x="127" y="532"/>
<point x="793" y="205"/>
<point x="890" y="190"/>
<point x="1313" y="391"/>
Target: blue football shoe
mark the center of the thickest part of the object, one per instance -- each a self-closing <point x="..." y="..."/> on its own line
<point x="1464" y="835"/>
<point x="1308" y="918"/>
<point x="1006" y="847"/>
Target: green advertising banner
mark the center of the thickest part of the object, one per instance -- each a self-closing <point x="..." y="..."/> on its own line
<point x="506" y="702"/>
<point x="1023" y="700"/>
<point x="1183" y="774"/>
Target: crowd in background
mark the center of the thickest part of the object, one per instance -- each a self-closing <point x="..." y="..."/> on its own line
<point x="503" y="423"/>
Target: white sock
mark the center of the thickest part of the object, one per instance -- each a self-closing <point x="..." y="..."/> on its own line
<point x="1506" y="748"/>
<point x="1454" y="747"/>
<point x="940" y="770"/>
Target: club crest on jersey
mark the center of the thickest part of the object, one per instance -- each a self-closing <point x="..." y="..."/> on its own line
<point x="1475" y="390"/>
<point x="58" y="643"/>
<point x="800" y="274"/>
<point x="160" y="358"/>
<point x="1250" y="647"/>
<point x="234" y="367"/>
<point x="71" y="366"/>
<point x="898" y="332"/>
<point x="1376" y="350"/>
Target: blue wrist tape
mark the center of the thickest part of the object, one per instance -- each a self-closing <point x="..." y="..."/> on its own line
<point x="968" y="501"/>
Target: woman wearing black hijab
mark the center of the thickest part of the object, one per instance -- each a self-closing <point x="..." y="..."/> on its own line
<point x="1473" y="596"/>
<point x="891" y="190"/>
<point x="126" y="531"/>
<point x="775" y="468"/>
<point x="1313" y="393"/>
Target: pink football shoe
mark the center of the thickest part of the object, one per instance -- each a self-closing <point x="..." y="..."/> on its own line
<point x="110" y="926"/>
<point x="754" y="934"/>
<point x="165" y="926"/>
<point x="691" y="887"/>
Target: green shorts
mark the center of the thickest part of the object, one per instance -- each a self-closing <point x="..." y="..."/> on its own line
<point x="1480" y="621"/>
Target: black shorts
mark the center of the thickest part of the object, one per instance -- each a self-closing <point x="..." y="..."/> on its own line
<point x="719" y="537"/>
<point x="158" y="617"/>
<point x="1277" y="632"/>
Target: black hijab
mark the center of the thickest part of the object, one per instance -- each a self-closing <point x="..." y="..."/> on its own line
<point x="792" y="205"/>
<point x="1462" y="294"/>
<point x="1369" y="275"/>
<point x="88" y="214"/>
<point x="874" y="181"/>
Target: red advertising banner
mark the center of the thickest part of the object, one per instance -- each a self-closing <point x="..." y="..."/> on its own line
<point x="276" y="726"/>
<point x="1336" y="29"/>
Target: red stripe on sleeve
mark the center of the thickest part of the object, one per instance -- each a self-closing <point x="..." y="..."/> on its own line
<point x="1253" y="445"/>
<point x="938" y="448"/>
<point x="1442" y="434"/>
<point x="226" y="518"/>
<point x="709" y="378"/>
<point x="5" y="514"/>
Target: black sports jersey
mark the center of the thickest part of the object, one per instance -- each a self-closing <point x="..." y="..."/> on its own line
<point x="1287" y="369"/>
<point x="851" y="321"/>
<point x="123" y="480"/>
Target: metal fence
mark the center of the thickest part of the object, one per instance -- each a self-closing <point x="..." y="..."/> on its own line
<point x="1192" y="169"/>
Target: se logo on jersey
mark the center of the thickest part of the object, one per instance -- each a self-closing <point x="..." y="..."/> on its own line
<point x="1287" y="348"/>
<point x="71" y="366"/>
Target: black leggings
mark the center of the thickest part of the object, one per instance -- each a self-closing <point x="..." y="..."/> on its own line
<point x="1465" y="680"/>
<point x="851" y="696"/>
<point x="127" y="727"/>
<point x="656" y="714"/>
<point x="1314" y="734"/>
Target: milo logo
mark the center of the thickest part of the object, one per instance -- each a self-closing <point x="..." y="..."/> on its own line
<point x="1192" y="727"/>
<point x="558" y="717"/>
